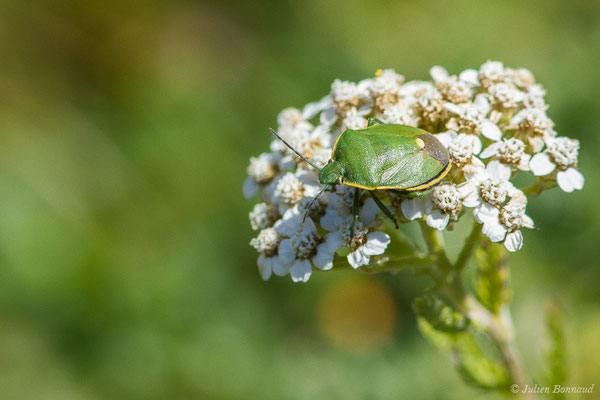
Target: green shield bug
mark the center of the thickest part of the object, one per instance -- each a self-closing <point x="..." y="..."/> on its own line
<point x="383" y="157"/>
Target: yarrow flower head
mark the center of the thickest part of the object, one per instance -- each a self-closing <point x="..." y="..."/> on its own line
<point x="443" y="204"/>
<point x="267" y="245"/>
<point x="462" y="148"/>
<point x="492" y="120"/>
<point x="509" y="154"/>
<point x="504" y="224"/>
<point x="560" y="156"/>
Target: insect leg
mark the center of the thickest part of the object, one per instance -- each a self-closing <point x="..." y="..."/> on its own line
<point x="372" y="121"/>
<point x="314" y="199"/>
<point x="386" y="211"/>
<point x="355" y="205"/>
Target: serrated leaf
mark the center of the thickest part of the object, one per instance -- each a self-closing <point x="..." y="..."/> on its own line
<point x="477" y="364"/>
<point x="474" y="359"/>
<point x="440" y="315"/>
<point x="492" y="278"/>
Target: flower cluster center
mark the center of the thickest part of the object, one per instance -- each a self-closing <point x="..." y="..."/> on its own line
<point x="360" y="233"/>
<point x="305" y="244"/>
<point x="460" y="151"/>
<point x="290" y="188"/>
<point x="564" y="152"/>
<point x="266" y="242"/>
<point x="492" y="191"/>
<point x="512" y="151"/>
<point x="511" y="216"/>
<point x="262" y="169"/>
<point x="446" y="198"/>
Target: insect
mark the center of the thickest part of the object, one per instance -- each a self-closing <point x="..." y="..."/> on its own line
<point x="382" y="157"/>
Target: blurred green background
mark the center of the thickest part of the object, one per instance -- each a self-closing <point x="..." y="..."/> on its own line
<point x="125" y="132"/>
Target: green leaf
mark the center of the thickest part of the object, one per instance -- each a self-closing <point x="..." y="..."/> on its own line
<point x="440" y="315"/>
<point x="473" y="354"/>
<point x="492" y="278"/>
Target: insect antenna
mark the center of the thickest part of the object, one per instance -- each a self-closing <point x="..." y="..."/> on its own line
<point x="313" y="202"/>
<point x="294" y="150"/>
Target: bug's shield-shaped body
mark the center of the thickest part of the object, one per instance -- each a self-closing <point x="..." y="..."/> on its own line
<point x="390" y="156"/>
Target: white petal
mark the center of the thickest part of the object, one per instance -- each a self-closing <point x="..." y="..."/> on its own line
<point x="264" y="266"/>
<point x="453" y="108"/>
<point x="312" y="109"/>
<point x="564" y="182"/>
<point x="331" y="220"/>
<point x="490" y="130"/>
<point x="511" y="189"/>
<point x="528" y="222"/>
<point x="486" y="213"/>
<point x="476" y="144"/>
<point x="328" y="116"/>
<point x="483" y="104"/>
<point x="470" y="76"/>
<point x="413" y="208"/>
<point x="494" y="231"/>
<point x="279" y="268"/>
<point x="358" y="258"/>
<point x="282" y="208"/>
<point x="290" y="222"/>
<point x="570" y="180"/>
<point x="364" y="84"/>
<point x="376" y="244"/>
<point x="498" y="170"/>
<point x="324" y="258"/>
<point x="368" y="212"/>
<point x="474" y="172"/>
<point x="309" y="177"/>
<point x="576" y="178"/>
<point x="438" y="220"/>
<point x="286" y="163"/>
<point x="268" y="193"/>
<point x="287" y="255"/>
<point x="524" y="162"/>
<point x="334" y="241"/>
<point x="309" y="226"/>
<point x="472" y="199"/>
<point x="491" y="150"/>
<point x="300" y="271"/>
<point x="476" y="163"/>
<point x="514" y="241"/>
<point x="518" y="199"/>
<point x="438" y="73"/>
<point x="333" y="200"/>
<point x="446" y="137"/>
<point x="540" y="164"/>
<point x="311" y="190"/>
<point x="249" y="188"/>
<point x="516" y="120"/>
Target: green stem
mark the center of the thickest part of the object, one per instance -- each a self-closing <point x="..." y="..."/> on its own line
<point x="498" y="327"/>
<point x="418" y="263"/>
<point x="435" y="243"/>
<point x="471" y="243"/>
<point x="541" y="183"/>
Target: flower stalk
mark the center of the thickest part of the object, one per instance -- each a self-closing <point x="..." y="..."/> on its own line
<point x="448" y="278"/>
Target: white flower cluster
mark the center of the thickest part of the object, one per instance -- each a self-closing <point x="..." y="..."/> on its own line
<point x="493" y="122"/>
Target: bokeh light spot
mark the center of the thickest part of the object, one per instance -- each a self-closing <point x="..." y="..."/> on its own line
<point x="357" y="315"/>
